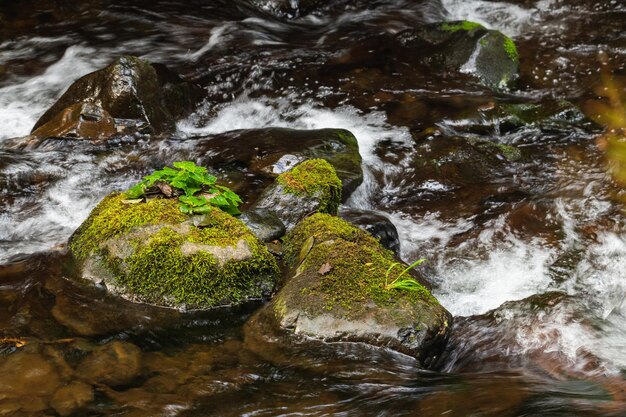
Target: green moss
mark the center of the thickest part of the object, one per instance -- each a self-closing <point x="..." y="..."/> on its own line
<point x="321" y="228"/>
<point x="158" y="271"/>
<point x="358" y="264"/>
<point x="345" y="136"/>
<point x="511" y="153"/>
<point x="113" y="217"/>
<point x="462" y="25"/>
<point x="313" y="177"/>
<point x="510" y="48"/>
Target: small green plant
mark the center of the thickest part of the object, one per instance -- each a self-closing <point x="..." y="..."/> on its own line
<point x="199" y="188"/>
<point x="399" y="283"/>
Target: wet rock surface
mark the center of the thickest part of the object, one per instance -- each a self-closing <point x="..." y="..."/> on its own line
<point x="70" y="398"/>
<point x="80" y="121"/>
<point x="310" y="187"/>
<point x="264" y="224"/>
<point x="466" y="47"/>
<point x="129" y="89"/>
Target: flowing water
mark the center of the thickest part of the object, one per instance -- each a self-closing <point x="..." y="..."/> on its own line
<point x="529" y="255"/>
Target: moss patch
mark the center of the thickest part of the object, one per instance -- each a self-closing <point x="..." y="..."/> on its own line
<point x="510" y="48"/>
<point x="159" y="272"/>
<point x="113" y="217"/>
<point x="158" y="268"/>
<point x="462" y="25"/>
<point x="312" y="177"/>
<point x="358" y="265"/>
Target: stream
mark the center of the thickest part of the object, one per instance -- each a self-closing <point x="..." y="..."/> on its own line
<point x="528" y="254"/>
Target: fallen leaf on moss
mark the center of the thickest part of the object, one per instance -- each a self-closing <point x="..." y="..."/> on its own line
<point x="325" y="269"/>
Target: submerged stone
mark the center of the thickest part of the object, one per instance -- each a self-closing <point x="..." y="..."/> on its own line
<point x="339" y="290"/>
<point x="113" y="364"/>
<point x="309" y="187"/>
<point x="151" y="252"/>
<point x="70" y="398"/>
<point x="466" y="47"/>
<point x="458" y="161"/>
<point x="130" y="89"/>
<point x="28" y="382"/>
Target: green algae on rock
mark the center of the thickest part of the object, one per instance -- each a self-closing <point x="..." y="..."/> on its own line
<point x="311" y="186"/>
<point x="151" y="252"/>
<point x="460" y="25"/>
<point x="466" y="47"/>
<point x="337" y="292"/>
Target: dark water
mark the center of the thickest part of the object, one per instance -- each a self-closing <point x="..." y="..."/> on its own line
<point x="529" y="255"/>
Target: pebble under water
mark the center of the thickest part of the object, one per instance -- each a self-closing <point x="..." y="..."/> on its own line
<point x="528" y="253"/>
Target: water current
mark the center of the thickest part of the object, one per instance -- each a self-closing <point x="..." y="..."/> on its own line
<point x="528" y="255"/>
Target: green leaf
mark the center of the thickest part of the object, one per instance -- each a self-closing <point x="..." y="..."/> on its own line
<point x="232" y="196"/>
<point x="407" y="284"/>
<point x="219" y="201"/>
<point x="233" y="211"/>
<point x="206" y="209"/>
<point x="191" y="179"/>
<point x="209" y="179"/>
<point x="186" y="166"/>
<point x="193" y="201"/>
<point x="136" y="191"/>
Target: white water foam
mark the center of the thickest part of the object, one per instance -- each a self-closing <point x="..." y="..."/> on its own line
<point x="245" y="113"/>
<point x="512" y="271"/>
<point x="508" y="18"/>
<point x="22" y="103"/>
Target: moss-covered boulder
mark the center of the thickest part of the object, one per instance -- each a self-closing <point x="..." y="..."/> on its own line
<point x="310" y="187"/>
<point x="338" y="291"/>
<point x="467" y="47"/>
<point x="143" y="96"/>
<point x="151" y="252"/>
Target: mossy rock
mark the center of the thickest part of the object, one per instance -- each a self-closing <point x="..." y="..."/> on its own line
<point x="467" y="47"/>
<point x="151" y="252"/>
<point x="337" y="292"/>
<point x="311" y="186"/>
<point x="146" y="96"/>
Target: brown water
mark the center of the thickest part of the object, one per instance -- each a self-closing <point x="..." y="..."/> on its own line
<point x="529" y="255"/>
